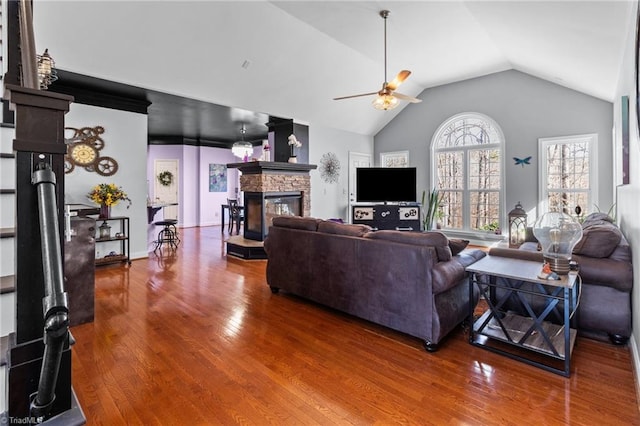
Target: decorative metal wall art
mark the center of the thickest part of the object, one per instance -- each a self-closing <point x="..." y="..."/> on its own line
<point x="330" y="167"/>
<point x="83" y="150"/>
<point x="394" y="159"/>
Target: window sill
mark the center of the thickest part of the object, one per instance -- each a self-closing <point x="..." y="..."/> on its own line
<point x="485" y="239"/>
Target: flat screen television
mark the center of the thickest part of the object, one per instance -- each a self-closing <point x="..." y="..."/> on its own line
<point x="382" y="184"/>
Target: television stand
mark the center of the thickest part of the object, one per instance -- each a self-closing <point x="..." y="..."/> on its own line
<point x="387" y="216"/>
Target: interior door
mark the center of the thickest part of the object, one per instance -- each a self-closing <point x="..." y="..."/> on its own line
<point x="169" y="193"/>
<point x="356" y="159"/>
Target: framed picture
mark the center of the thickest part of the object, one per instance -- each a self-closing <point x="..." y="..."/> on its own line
<point x="394" y="159"/>
<point x="217" y="178"/>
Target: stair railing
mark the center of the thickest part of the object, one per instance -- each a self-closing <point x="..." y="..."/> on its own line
<point x="55" y="304"/>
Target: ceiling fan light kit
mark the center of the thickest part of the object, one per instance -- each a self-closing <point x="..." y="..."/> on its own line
<point x="385" y="102"/>
<point x="387" y="97"/>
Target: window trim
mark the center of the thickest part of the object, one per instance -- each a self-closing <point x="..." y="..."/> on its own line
<point x="543" y="143"/>
<point x="466" y="197"/>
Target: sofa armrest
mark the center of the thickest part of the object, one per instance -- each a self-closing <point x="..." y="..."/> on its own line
<point x="605" y="272"/>
<point x="469" y="256"/>
<point x="448" y="274"/>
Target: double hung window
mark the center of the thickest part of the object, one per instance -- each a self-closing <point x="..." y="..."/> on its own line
<point x="567" y="174"/>
<point x="467" y="171"/>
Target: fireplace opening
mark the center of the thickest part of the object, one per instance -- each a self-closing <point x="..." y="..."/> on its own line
<point x="261" y="207"/>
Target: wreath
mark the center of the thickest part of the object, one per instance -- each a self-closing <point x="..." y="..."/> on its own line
<point x="165" y="178"/>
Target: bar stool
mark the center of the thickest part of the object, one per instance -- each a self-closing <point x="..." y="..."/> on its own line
<point x="168" y="234"/>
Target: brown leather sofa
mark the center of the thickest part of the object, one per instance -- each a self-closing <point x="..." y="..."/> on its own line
<point x="606" y="271"/>
<point x="408" y="281"/>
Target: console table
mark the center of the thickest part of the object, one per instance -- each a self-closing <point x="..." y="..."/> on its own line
<point x="532" y="339"/>
<point x="387" y="216"/>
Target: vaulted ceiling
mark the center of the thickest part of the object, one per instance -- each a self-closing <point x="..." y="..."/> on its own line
<point x="290" y="58"/>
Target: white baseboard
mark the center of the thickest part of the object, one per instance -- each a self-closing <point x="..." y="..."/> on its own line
<point x="635" y="361"/>
<point x="3" y="388"/>
<point x="140" y="255"/>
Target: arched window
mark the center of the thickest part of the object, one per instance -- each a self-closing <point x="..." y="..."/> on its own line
<point x="466" y="164"/>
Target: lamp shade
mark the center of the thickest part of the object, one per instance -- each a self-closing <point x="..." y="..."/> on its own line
<point x="557" y="233"/>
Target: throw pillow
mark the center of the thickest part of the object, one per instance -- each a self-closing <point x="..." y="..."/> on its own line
<point x="599" y="239"/>
<point x="457" y="245"/>
<point x="598" y="216"/>
<point x="432" y="238"/>
<point x="329" y="227"/>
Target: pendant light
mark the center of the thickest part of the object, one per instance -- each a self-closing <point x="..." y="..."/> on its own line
<point x="242" y="149"/>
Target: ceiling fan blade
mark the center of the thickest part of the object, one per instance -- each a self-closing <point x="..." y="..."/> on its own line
<point x="402" y="76"/>
<point x="406" y="98"/>
<point x="355" y="96"/>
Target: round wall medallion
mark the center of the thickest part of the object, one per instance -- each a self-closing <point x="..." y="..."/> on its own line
<point x="330" y="167"/>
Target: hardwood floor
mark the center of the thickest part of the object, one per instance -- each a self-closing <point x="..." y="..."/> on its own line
<point x="198" y="338"/>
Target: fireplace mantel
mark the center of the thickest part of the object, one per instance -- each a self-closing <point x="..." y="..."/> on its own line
<point x="261" y="167"/>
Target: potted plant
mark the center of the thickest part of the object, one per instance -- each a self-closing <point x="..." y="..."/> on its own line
<point x="107" y="195"/>
<point x="430" y="208"/>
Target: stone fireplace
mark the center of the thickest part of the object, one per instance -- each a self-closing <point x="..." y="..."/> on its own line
<point x="262" y="207"/>
<point x="270" y="189"/>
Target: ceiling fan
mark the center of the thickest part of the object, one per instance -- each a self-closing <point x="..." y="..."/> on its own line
<point x="387" y="97"/>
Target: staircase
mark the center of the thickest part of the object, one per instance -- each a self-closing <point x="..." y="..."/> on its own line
<point x="7" y="227"/>
<point x="7" y="250"/>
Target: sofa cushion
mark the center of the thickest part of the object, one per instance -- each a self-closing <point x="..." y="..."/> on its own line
<point x="297" y="222"/>
<point x="329" y="227"/>
<point x="599" y="239"/>
<point x="457" y="245"/>
<point x="432" y="238"/>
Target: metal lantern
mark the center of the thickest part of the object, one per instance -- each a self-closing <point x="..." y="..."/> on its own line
<point x="517" y="226"/>
<point x="105" y="231"/>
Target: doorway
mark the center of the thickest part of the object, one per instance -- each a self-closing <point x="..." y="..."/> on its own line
<point x="167" y="193"/>
<point x="356" y="160"/>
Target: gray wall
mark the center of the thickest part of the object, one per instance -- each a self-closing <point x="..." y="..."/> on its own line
<point x="526" y="108"/>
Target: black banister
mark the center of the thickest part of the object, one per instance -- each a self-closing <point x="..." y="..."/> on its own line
<point x="54" y="304"/>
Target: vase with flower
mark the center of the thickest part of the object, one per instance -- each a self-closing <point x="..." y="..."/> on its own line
<point x="293" y="144"/>
<point x="107" y="195"/>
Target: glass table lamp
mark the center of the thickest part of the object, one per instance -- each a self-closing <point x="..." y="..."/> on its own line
<point x="557" y="233"/>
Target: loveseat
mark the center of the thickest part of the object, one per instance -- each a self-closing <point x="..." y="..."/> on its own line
<point x="604" y="259"/>
<point x="408" y="281"/>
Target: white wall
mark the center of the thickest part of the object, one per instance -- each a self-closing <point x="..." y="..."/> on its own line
<point x="125" y="139"/>
<point x="330" y="200"/>
<point x="628" y="196"/>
